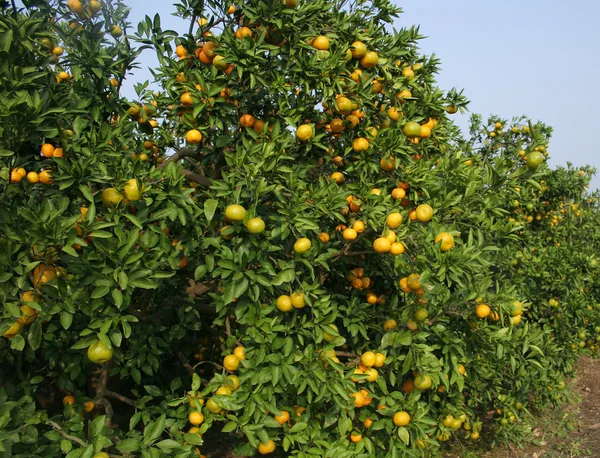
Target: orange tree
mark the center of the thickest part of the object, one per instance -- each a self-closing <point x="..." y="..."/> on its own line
<point x="289" y="243"/>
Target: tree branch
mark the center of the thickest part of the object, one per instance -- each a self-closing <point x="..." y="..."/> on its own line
<point x="183" y="360"/>
<point x="120" y="397"/>
<point x="227" y="327"/>
<point x="180" y="154"/>
<point x="195" y="177"/>
<point x="57" y="428"/>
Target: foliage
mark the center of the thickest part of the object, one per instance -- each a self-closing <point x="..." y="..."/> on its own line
<point x="118" y="233"/>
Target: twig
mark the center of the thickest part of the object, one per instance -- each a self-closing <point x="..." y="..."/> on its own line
<point x="183" y="360"/>
<point x="108" y="410"/>
<point x="208" y="362"/>
<point x="354" y="253"/>
<point x="345" y="354"/>
<point x="120" y="397"/>
<point x="227" y="327"/>
<point x="57" y="428"/>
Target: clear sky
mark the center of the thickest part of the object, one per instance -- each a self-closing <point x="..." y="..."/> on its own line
<point x="533" y="57"/>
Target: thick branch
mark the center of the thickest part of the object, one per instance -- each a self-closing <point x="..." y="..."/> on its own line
<point x="180" y="154"/>
<point x="195" y="177"/>
<point x="57" y="427"/>
<point x="345" y="354"/>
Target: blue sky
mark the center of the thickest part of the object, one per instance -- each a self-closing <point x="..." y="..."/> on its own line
<point x="537" y="58"/>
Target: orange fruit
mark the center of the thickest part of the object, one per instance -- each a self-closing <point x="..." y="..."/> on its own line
<point x="424" y="213"/>
<point x="482" y="310"/>
<point x="447" y="241"/>
<point x="255" y="225"/>
<point x="359" y="226"/>
<point x="193" y="137"/>
<point x="404" y="285"/>
<point x="240" y="352"/>
<point x="47" y="150"/>
<point x="196" y="418"/>
<point x="382" y="245"/>
<point x="401" y="418"/>
<point x="398" y="193"/>
<point x="283" y="418"/>
<point x="186" y="99"/>
<point x="231" y="362"/>
<point x="397" y="248"/>
<point x="338" y="177"/>
<point x="324" y="237"/>
<point x="298" y="300"/>
<point x="235" y="212"/>
<point x="69" y="400"/>
<point x="369" y="60"/>
<point x="359" y="49"/>
<point x="414" y="282"/>
<point x="284" y="303"/>
<point x="266" y="449"/>
<point x="349" y="234"/>
<point x="387" y="164"/>
<point x="360" y="144"/>
<point x="243" y="32"/>
<point x="355" y="437"/>
<point x="368" y="359"/>
<point x="393" y="220"/>
<point x="343" y="105"/>
<point x="304" y="132"/>
<point x="302" y="245"/>
<point x="247" y="120"/>
<point x="15" y="329"/>
<point x="321" y="43"/>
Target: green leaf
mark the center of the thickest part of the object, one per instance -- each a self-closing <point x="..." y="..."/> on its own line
<point x="301" y="426"/>
<point x="210" y="206"/>
<point x="168" y="444"/>
<point x="34" y="337"/>
<point x="154" y="430"/>
<point x="6" y="40"/>
<point x="128" y="445"/>
<point x="285" y="276"/>
<point x="403" y="435"/>
<point x="99" y="292"/>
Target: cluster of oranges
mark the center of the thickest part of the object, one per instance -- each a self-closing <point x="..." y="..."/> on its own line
<point x="356" y="277"/>
<point x="45" y="176"/>
<point x="29" y="314"/>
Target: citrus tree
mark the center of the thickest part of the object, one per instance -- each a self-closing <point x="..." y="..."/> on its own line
<point x="288" y="244"/>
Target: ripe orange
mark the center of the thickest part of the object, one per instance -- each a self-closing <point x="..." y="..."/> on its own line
<point x="240" y="352"/>
<point x="359" y="226"/>
<point x="408" y="386"/>
<point x="15" y="176"/>
<point x="219" y="63"/>
<point x="356" y="437"/>
<point x="46" y="177"/>
<point x="369" y="60"/>
<point x="186" y="99"/>
<point x="324" y="237"/>
<point x="88" y="406"/>
<point x="193" y="137"/>
<point x="343" y="105"/>
<point x="379" y="360"/>
<point x="382" y="245"/>
<point x="408" y="73"/>
<point x="304" y="132"/>
<point x="69" y="400"/>
<point x="447" y="241"/>
<point x="231" y="362"/>
<point x="298" y="300"/>
<point x="243" y="32"/>
<point x="393" y="220"/>
<point x="389" y="325"/>
<point x="403" y="95"/>
<point x="425" y="132"/>
<point x="321" y="43"/>
<point x="47" y="150"/>
<point x="482" y="310"/>
<point x="247" y="120"/>
<point x="349" y="234"/>
<point x="401" y="418"/>
<point x="284" y="303"/>
<point x="393" y="113"/>
<point x="196" y="418"/>
<point x="359" y="399"/>
<point x="424" y="213"/>
<point x="398" y="193"/>
<point x="359" y="49"/>
<point x="404" y="285"/>
<point x="338" y="177"/>
<point x="414" y="282"/>
<point x="387" y="164"/>
<point x="266" y="449"/>
<point x="283" y="418"/>
<point x="360" y="144"/>
<point x="368" y="359"/>
<point x="15" y="329"/>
